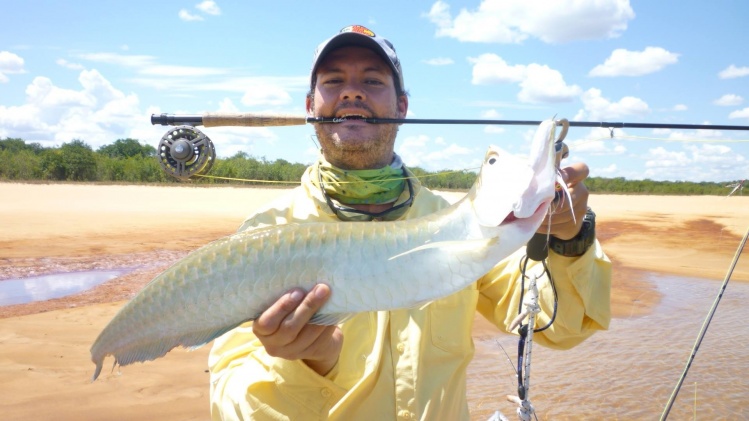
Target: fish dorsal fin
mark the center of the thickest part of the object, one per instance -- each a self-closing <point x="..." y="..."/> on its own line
<point x="453" y="247"/>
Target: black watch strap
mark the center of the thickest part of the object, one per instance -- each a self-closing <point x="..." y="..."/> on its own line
<point x="579" y="244"/>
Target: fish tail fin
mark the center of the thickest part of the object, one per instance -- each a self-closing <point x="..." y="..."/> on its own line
<point x="99" y="365"/>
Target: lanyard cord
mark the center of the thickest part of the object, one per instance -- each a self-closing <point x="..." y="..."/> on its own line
<point x="523" y="267"/>
<point x="536" y="251"/>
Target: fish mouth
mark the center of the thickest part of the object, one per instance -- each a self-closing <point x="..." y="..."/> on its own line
<point x="510" y="218"/>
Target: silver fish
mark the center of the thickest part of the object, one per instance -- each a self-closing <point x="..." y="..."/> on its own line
<point x="368" y="266"/>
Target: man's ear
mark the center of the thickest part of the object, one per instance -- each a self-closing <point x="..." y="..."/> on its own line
<point x="402" y="106"/>
<point x="308" y="106"/>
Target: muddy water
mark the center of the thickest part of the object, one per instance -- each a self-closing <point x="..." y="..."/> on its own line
<point x="629" y="371"/>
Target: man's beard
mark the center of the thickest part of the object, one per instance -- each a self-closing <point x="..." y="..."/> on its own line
<point x="366" y="151"/>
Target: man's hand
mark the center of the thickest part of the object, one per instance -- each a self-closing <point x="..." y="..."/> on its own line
<point x="560" y="222"/>
<point x="285" y="332"/>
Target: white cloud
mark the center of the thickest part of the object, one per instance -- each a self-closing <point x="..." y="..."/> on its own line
<point x="68" y="65"/>
<point x="740" y="113"/>
<point x="238" y="139"/>
<point x="147" y="65"/>
<point x="439" y="61"/>
<point x="490" y="68"/>
<point x="729" y="100"/>
<point x="436" y="154"/>
<point x="545" y="85"/>
<point x="623" y="62"/>
<point x="538" y="83"/>
<point x="188" y="17"/>
<point x="598" y="141"/>
<point x="10" y="63"/>
<point x="732" y="72"/>
<point x="680" y="107"/>
<point x="552" y="21"/>
<point x="596" y="107"/>
<point x="209" y="7"/>
<point x="491" y="114"/>
<point x="662" y="158"/>
<point x="127" y="60"/>
<point x="716" y="163"/>
<point x="97" y="113"/>
<point x="610" y="171"/>
<point x="681" y="135"/>
<point x="266" y="95"/>
<point x="173" y="71"/>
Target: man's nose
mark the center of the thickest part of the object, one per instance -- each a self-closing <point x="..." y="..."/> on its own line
<point x="353" y="90"/>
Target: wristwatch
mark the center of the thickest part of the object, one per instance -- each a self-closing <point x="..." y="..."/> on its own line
<point x="579" y="244"/>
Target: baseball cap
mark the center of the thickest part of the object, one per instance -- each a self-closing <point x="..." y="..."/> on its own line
<point x="360" y="36"/>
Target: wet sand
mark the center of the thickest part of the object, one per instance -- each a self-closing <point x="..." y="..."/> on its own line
<point x="51" y="228"/>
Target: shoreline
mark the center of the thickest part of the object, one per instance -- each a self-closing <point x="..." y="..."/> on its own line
<point x="62" y="227"/>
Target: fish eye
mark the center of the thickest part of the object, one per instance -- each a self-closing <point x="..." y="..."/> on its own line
<point x="491" y="160"/>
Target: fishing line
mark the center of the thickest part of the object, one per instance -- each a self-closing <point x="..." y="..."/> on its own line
<point x="420" y="177"/>
<point x="705" y="325"/>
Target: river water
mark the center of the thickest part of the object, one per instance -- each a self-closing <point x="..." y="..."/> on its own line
<point x="625" y="373"/>
<point x="56" y="285"/>
<point x="630" y="371"/>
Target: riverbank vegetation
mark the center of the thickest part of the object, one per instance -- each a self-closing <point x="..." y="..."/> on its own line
<point x="129" y="161"/>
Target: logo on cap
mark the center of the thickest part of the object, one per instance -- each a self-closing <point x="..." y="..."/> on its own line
<point x="359" y="30"/>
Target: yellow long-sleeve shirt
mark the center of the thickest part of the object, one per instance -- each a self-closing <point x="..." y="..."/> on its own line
<point x="406" y="364"/>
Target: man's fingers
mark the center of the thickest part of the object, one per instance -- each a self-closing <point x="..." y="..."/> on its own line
<point x="290" y="313"/>
<point x="575" y="173"/>
<point x="270" y="321"/>
<point x="307" y="308"/>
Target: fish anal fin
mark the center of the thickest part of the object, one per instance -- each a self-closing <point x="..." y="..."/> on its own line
<point x="330" y="319"/>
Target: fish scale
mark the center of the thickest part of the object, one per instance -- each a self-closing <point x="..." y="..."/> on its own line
<point x="368" y="266"/>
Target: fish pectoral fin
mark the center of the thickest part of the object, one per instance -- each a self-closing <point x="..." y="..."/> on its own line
<point x="452" y="246"/>
<point x="330" y="319"/>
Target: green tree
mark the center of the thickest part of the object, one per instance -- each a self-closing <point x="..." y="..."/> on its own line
<point x="126" y="148"/>
<point x="78" y="160"/>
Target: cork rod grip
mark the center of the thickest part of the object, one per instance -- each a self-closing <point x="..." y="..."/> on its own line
<point x="252" y="120"/>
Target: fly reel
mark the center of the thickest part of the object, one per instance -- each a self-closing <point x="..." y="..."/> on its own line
<point x="185" y="151"/>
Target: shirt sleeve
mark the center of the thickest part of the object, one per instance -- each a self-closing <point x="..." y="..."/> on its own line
<point x="583" y="286"/>
<point x="249" y="384"/>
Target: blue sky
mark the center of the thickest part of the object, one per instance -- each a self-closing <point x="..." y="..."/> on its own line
<point x="96" y="71"/>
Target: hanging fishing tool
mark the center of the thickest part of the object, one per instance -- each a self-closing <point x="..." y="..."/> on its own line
<point x="537" y="250"/>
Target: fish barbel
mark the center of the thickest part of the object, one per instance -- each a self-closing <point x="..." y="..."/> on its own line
<point x="368" y="266"/>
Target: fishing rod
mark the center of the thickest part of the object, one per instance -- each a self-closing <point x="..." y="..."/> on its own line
<point x="184" y="151"/>
<point x="272" y="120"/>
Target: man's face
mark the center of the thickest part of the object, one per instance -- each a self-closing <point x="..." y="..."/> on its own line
<point x="355" y="81"/>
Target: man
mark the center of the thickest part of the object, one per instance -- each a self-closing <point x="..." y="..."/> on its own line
<point x="406" y="364"/>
